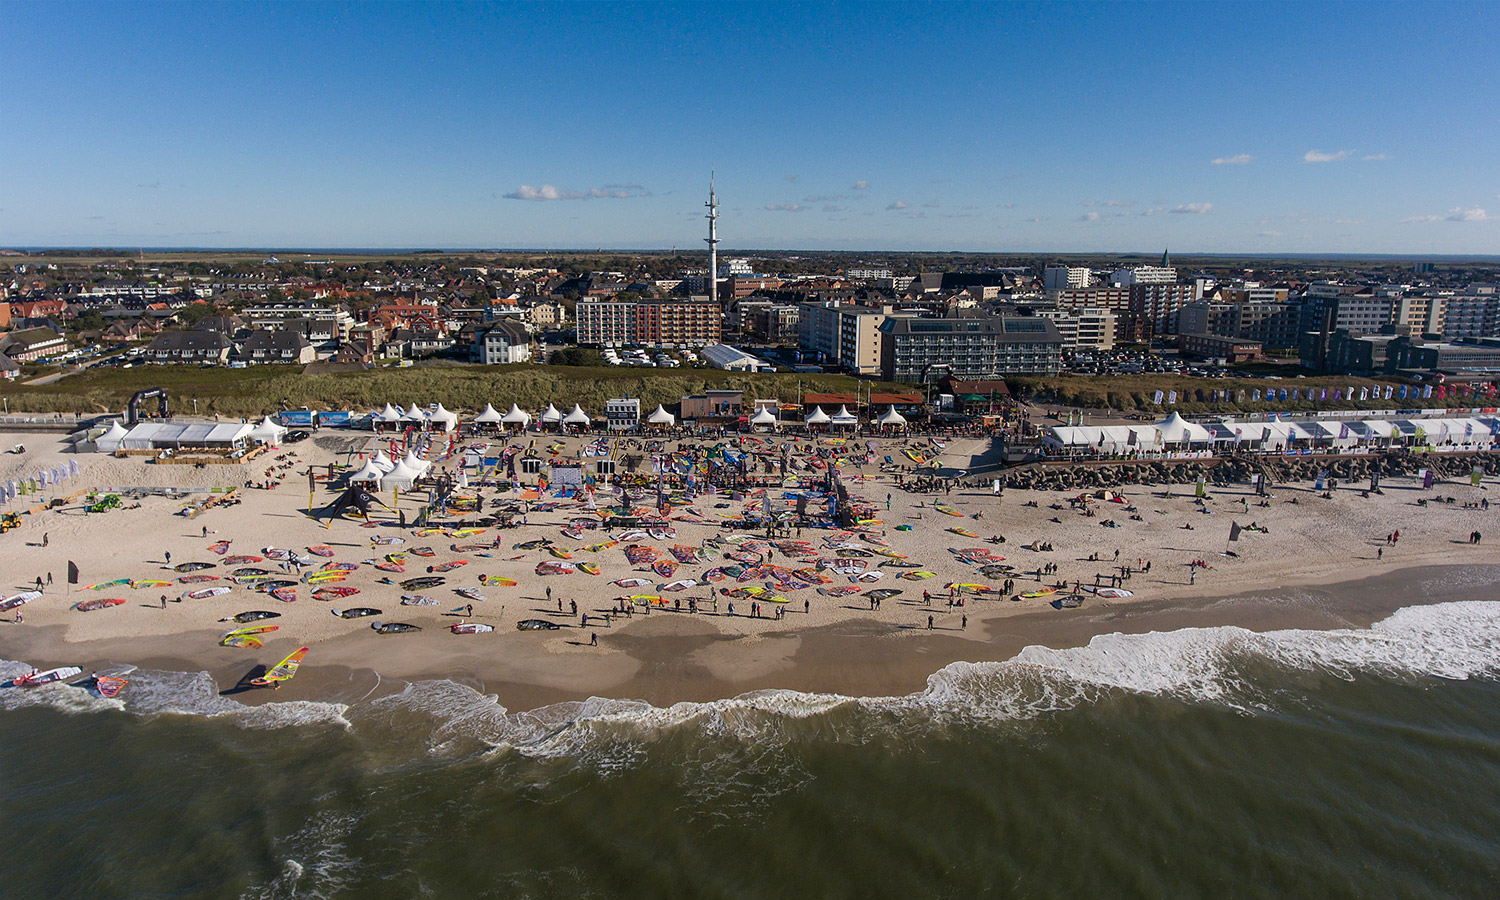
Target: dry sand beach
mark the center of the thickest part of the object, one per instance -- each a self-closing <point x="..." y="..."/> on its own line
<point x="1320" y="563"/>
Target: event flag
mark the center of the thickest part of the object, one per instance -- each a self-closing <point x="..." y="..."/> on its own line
<point x="72" y="572"/>
<point x="1234" y="531"/>
<point x="1255" y="395"/>
<point x="1364" y="393"/>
<point x="1172" y="397"/>
<point x="1426" y="391"/>
<point x="1388" y="389"/>
<point x="1158" y="399"/>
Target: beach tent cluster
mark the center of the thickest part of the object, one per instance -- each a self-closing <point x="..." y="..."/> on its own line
<point x="381" y="472"/>
<point x="1174" y="434"/>
<point x="841" y="419"/>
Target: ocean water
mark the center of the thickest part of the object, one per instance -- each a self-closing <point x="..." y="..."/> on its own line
<point x="1197" y="763"/>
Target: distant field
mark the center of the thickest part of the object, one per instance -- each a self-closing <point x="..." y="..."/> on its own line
<point x="258" y="390"/>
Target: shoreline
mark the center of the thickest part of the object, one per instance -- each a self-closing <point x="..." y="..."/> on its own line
<point x="678" y="658"/>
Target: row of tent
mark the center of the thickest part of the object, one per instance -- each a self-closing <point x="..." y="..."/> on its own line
<point x="440" y="419"/>
<point x="1176" y="433"/>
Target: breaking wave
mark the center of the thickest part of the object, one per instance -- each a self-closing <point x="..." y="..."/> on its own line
<point x="1228" y="666"/>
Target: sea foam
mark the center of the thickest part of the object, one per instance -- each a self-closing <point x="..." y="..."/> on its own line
<point x="1454" y="640"/>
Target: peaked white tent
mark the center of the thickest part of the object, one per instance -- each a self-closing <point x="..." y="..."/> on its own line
<point x="443" y="419"/>
<point x="402" y="476"/>
<point x="661" y="417"/>
<point x="490" y="416"/>
<point x="516" y="416"/>
<point x="382" y="462"/>
<point x="414" y="462"/>
<point x="369" y="472"/>
<point x="891" y="419"/>
<point x="550" y="416"/>
<point x="1174" y="429"/>
<point x="390" y="415"/>
<point x="763" y="419"/>
<point x="817" y="417"/>
<point x="414" y="415"/>
<point x="267" y="432"/>
<point x="845" y="417"/>
<point x="577" y="417"/>
<point x="110" y="441"/>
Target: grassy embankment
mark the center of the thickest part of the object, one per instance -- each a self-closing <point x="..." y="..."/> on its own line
<point x="258" y="390"/>
<point x="1136" y="393"/>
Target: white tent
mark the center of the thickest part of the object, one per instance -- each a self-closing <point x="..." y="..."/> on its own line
<point x="382" y="462"/>
<point x="577" y="417"/>
<point x="110" y="441"/>
<point x="817" y="417"/>
<point x="892" y="419"/>
<point x="550" y="416"/>
<point x="516" y="416"/>
<point x="1174" y="429"/>
<point x="660" y="417"/>
<point x="369" y="472"/>
<point x="414" y="415"/>
<point x="414" y="462"/>
<point x="402" y="476"/>
<point x="763" y="419"/>
<point x="443" y="419"/>
<point x="845" y="417"/>
<point x="390" y="415"/>
<point x="490" y="416"/>
<point x="267" y="432"/>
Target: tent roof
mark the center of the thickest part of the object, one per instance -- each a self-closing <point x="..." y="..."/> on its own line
<point x="516" y="415"/>
<point x="115" y="432"/>
<point x="414" y="414"/>
<point x="381" y="461"/>
<point x="550" y="414"/>
<point x="661" y="416"/>
<point x="367" y="472"/>
<point x="891" y="417"/>
<point x="577" y="416"/>
<point x="764" y="417"/>
<point x="817" y="416"/>
<point x="389" y="414"/>
<point x="489" y="416"/>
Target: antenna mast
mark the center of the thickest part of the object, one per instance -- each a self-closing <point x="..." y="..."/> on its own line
<point x="713" y="241"/>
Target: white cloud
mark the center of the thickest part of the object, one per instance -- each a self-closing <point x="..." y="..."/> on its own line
<point x="899" y="204"/>
<point x="1239" y="159"/>
<point x="1089" y="217"/>
<point x="1154" y="211"/>
<point x="1193" y="208"/>
<point x="861" y="185"/>
<point x="1374" y="157"/>
<point x="1034" y="219"/>
<point x="1318" y="156"/>
<point x="785" y="207"/>
<point x="1456" y="214"/>
<point x="1270" y="234"/>
<point x="552" y="192"/>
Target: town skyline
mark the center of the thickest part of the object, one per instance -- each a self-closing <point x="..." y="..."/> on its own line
<point x="986" y="129"/>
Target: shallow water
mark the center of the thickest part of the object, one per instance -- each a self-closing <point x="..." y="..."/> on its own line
<point x="1203" y="762"/>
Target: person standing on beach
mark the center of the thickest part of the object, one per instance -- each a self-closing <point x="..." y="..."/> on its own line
<point x="163" y="601"/>
<point x="929" y="623"/>
<point x="168" y="555"/>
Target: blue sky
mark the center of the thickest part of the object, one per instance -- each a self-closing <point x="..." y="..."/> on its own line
<point x="1068" y="127"/>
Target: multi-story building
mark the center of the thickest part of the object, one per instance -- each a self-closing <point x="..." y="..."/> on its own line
<point x="1062" y="278"/>
<point x="914" y="350"/>
<point x="1217" y="346"/>
<point x="1086" y="328"/>
<point x="868" y="274"/>
<point x="658" y="323"/>
<point x="623" y="413"/>
<point x="1143" y="275"/>
<point x="1472" y="314"/>
<point x="844" y="335"/>
<point x="1154" y="308"/>
<point x="275" y="315"/>
<point x="1416" y="314"/>
<point x="506" y="341"/>
<point x="818" y="329"/>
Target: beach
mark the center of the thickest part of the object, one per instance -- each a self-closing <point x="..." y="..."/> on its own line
<point x="1317" y="563"/>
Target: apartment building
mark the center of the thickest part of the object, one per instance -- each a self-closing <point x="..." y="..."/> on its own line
<point x="1086" y="328"/>
<point x="914" y="350"/>
<point x="657" y="323"/>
